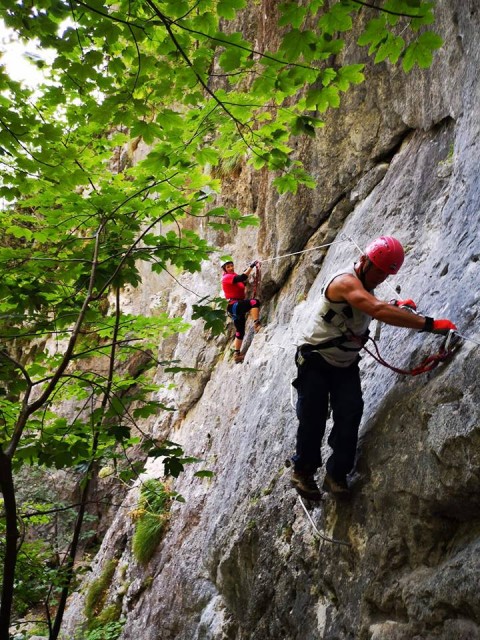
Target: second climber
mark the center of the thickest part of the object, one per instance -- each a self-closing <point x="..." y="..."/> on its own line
<point x="239" y="306"/>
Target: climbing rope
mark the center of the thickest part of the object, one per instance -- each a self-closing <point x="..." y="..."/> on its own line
<point x="447" y="349"/>
<point x="317" y="531"/>
<point x="296" y="253"/>
<point x="256" y="281"/>
<point x="428" y="364"/>
<point x="467" y="338"/>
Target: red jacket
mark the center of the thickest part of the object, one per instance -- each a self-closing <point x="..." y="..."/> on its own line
<point x="233" y="290"/>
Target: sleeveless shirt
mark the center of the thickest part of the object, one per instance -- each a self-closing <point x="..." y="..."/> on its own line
<point x="333" y="320"/>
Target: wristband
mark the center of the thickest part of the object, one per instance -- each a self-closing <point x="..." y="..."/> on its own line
<point x="428" y="324"/>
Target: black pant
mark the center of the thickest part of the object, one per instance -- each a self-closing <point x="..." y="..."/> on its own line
<point x="238" y="312"/>
<point x="317" y="383"/>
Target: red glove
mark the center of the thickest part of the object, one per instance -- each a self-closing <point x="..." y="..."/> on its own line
<point x="443" y="326"/>
<point x="408" y="303"/>
<point x="439" y="326"/>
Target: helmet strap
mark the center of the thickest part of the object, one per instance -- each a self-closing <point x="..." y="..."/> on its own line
<point x="362" y="269"/>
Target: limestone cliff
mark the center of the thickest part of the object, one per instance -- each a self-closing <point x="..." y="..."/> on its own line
<point x="240" y="559"/>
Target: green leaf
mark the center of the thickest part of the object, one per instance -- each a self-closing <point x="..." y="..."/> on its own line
<point x="212" y="312"/>
<point x="336" y="20"/>
<point x="228" y="8"/>
<point x="374" y="33"/>
<point x="248" y="221"/>
<point x="169" y="120"/>
<point x="322" y="99"/>
<point x="208" y="156"/>
<point x="420" y="52"/>
<point x="350" y="74"/>
<point x="219" y="226"/>
<point x="146" y="130"/>
<point x="306" y="125"/>
<point x="391" y="49"/>
<point x="292" y="14"/>
<point x="327" y="76"/>
<point x="286" y="184"/>
<point x="231" y="59"/>
<point x="290" y="181"/>
<point x="297" y="44"/>
<point x="204" y="474"/>
<point x="19" y="232"/>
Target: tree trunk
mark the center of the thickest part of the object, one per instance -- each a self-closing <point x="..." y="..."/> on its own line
<point x="70" y="561"/>
<point x="11" y="551"/>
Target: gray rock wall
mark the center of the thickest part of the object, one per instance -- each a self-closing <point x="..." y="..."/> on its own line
<point x="241" y="560"/>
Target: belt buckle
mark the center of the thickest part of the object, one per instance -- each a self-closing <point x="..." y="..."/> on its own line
<point x="299" y="359"/>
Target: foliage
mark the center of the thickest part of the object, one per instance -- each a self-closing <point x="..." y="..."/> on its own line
<point x="36" y="574"/>
<point x="212" y="313"/>
<point x="79" y="216"/>
<point x="151" y="517"/>
<point x="108" y="631"/>
<point x="98" y="592"/>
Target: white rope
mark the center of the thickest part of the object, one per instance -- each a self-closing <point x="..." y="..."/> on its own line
<point x="322" y="246"/>
<point x="350" y="239"/>
<point x="318" y="532"/>
<point x="396" y="294"/>
<point x="466" y="338"/>
<point x="347" y="238"/>
<point x="296" y="253"/>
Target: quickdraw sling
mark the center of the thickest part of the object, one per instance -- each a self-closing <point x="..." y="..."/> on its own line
<point x="447" y="349"/>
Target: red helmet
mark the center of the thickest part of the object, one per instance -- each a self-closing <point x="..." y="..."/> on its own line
<point x="386" y="253"/>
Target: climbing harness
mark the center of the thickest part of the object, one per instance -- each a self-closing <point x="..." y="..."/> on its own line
<point x="317" y="531"/>
<point x="450" y="345"/>
<point x="232" y="310"/>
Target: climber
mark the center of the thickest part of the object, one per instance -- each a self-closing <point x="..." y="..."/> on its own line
<point x="239" y="306"/>
<point x="327" y="364"/>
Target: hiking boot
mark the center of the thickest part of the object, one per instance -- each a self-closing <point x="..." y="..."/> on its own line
<point x="336" y="487"/>
<point x="305" y="485"/>
<point x="257" y="325"/>
<point x="238" y="357"/>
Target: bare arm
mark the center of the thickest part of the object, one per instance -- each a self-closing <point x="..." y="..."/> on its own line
<point x="347" y="288"/>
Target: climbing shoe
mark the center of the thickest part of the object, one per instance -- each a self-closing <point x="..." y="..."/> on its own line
<point x="338" y="488"/>
<point x="305" y="485"/>
<point x="238" y="357"/>
<point x="257" y="325"/>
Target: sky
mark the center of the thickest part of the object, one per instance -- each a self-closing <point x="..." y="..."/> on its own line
<point x="14" y="56"/>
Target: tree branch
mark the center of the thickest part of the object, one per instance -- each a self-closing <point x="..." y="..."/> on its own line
<point x="382" y="10"/>
<point x="45" y="512"/>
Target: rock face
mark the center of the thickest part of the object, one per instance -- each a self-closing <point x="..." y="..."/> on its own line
<point x="241" y="559"/>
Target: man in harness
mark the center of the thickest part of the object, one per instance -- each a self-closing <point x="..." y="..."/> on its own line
<point x="239" y="307"/>
<point x="327" y="362"/>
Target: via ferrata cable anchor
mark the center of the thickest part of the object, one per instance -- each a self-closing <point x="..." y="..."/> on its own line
<point x="452" y="342"/>
<point x="448" y="339"/>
